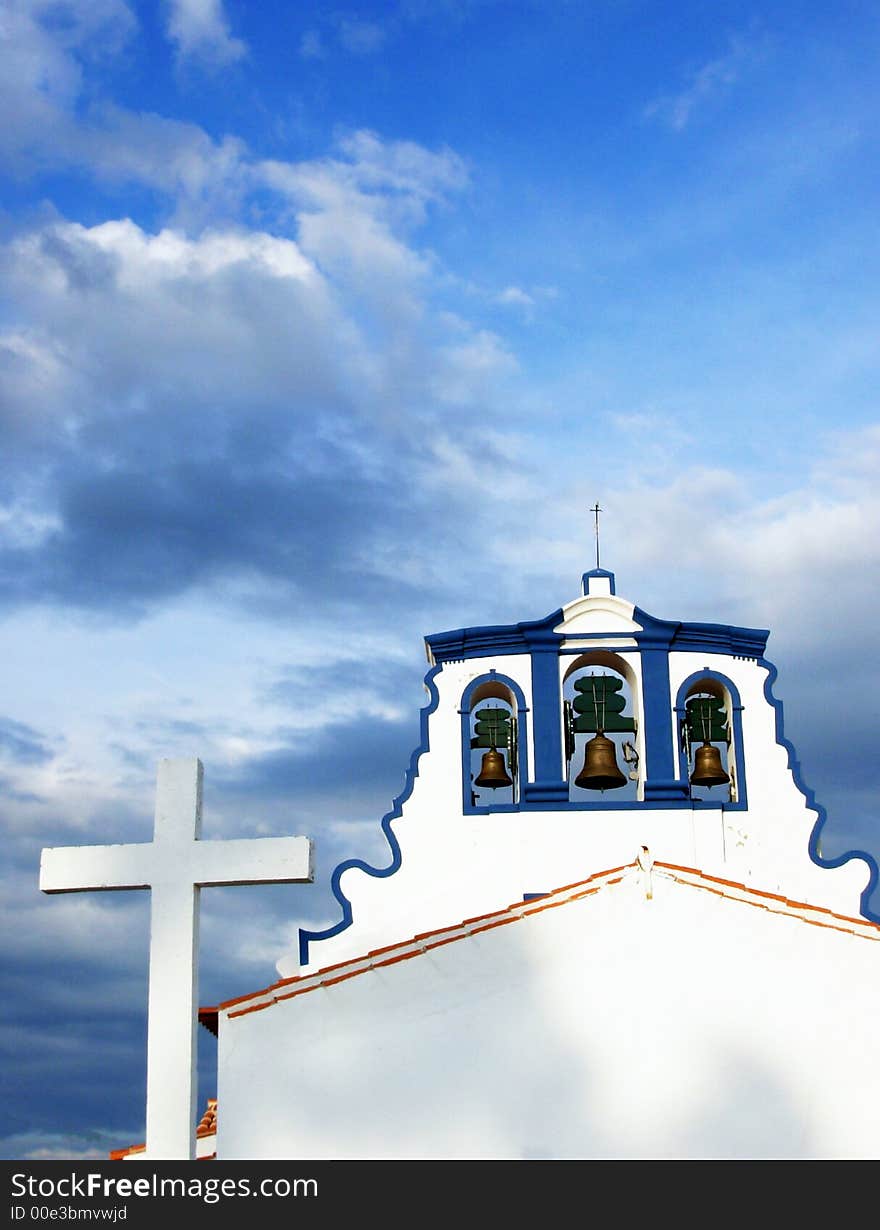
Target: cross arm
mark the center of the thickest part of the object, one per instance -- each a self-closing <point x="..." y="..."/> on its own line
<point x="260" y="860"/>
<point x="79" y="869"/>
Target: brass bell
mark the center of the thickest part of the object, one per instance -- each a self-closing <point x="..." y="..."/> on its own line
<point x="492" y="771"/>
<point x="600" y="771"/>
<point x="708" y="769"/>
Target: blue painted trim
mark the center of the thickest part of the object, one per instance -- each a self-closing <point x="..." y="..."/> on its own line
<point x="465" y="709"/>
<point x="537" y="796"/>
<point x="597" y="572"/>
<point x="547" y="722"/>
<point x="307" y="937"/>
<point x="673" y="801"/>
<point x="525" y="637"/>
<point x="657" y="639"/>
<point x="701" y="638"/>
<point x="666" y="792"/>
<point x="816" y="834"/>
<point x="661" y="784"/>
<point x="736" y="717"/>
<point x="721" y="638"/>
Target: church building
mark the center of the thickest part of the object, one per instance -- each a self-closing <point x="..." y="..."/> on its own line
<point x="605" y="928"/>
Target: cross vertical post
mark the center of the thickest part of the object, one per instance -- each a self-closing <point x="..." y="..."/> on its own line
<point x="172" y="1011"/>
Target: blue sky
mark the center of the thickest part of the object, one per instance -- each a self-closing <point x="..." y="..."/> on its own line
<point x="321" y="329"/>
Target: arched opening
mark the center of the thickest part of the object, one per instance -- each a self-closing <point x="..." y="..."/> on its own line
<point x="490" y="711"/>
<point x="601" y="730"/>
<point x="706" y="711"/>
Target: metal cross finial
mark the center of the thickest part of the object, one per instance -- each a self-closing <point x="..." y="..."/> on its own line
<point x="596" y="510"/>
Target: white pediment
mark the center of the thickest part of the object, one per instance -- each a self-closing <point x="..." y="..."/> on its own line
<point x="597" y="613"/>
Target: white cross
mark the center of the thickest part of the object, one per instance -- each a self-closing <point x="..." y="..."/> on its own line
<point x="175" y="865"/>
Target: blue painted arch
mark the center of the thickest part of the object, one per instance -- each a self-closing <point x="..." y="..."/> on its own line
<point x="490" y="679"/>
<point x="687" y="688"/>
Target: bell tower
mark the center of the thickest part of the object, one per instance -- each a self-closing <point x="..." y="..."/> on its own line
<point x="560" y="747"/>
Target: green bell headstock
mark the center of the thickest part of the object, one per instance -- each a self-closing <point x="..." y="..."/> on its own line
<point x="493" y="728"/>
<point x="599" y="705"/>
<point x="706" y="720"/>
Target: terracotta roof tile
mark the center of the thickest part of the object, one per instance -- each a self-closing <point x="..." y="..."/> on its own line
<point x="208" y="1124"/>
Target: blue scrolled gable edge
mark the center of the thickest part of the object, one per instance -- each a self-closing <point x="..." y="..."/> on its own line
<point x="307" y="937"/>
<point x="807" y="792"/>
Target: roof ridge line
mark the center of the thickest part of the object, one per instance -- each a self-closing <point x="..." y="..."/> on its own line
<point x="418" y="944"/>
<point x="791" y="902"/>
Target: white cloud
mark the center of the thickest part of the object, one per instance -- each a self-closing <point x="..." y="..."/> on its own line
<point x="177" y="158"/>
<point x="471" y="365"/>
<point x="56" y="119"/>
<point x="24" y="527"/>
<point x="710" y="81"/>
<point x="60" y="1147"/>
<point x="525" y="302"/>
<point x="392" y="183"/>
<point x="200" y="29"/>
<point x="360" y="37"/>
<point x="259" y="375"/>
<point x="44" y="48"/>
<point x="403" y="166"/>
<point x="149" y="259"/>
<point x="110" y="314"/>
<point x="125" y="312"/>
<point x="311" y="46"/>
<point x="368" y="190"/>
<point x="516" y="296"/>
<point x="709" y="543"/>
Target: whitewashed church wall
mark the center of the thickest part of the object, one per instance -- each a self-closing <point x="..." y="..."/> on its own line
<point x="687" y="1026"/>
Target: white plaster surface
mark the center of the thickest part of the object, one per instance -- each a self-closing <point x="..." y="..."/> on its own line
<point x="597" y="613"/>
<point x="681" y="1026"/>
